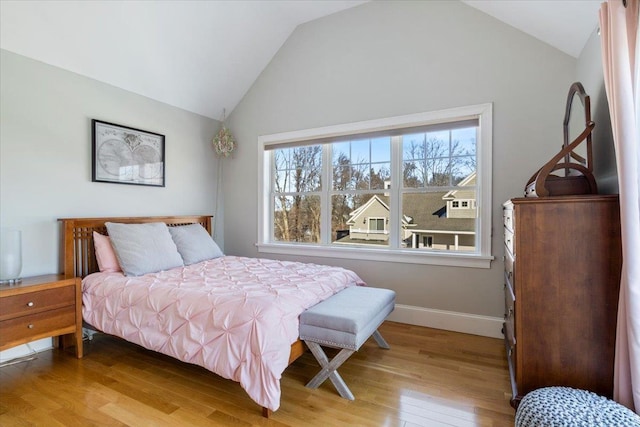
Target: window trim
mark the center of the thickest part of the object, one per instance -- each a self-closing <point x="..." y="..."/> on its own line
<point x="482" y="259"/>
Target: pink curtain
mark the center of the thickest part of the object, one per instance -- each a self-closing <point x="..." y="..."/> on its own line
<point x="619" y="37"/>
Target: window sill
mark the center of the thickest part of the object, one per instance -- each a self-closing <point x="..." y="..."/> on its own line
<point x="385" y="255"/>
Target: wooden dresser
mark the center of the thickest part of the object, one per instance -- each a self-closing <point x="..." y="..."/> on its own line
<point x="563" y="258"/>
<point x="41" y="307"/>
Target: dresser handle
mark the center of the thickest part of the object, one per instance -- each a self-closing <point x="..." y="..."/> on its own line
<point x="30" y="326"/>
<point x="30" y="304"/>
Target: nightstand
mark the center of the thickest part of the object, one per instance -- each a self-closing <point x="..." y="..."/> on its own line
<point x="41" y="307"/>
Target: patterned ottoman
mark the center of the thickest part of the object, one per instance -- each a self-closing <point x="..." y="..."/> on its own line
<point x="569" y="407"/>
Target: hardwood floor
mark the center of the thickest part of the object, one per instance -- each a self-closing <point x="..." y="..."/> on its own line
<point x="428" y="378"/>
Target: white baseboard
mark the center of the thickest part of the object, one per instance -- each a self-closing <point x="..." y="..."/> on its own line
<point x="26" y="349"/>
<point x="431" y="318"/>
<point x="448" y="320"/>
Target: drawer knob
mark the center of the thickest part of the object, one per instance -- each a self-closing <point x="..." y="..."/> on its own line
<point x="30" y="304"/>
<point x="30" y="326"/>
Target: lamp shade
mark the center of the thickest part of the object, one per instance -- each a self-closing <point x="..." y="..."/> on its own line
<point x="10" y="255"/>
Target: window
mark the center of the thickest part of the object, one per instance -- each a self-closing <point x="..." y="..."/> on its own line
<point x="411" y="189"/>
<point x="376" y="225"/>
<point x="460" y="204"/>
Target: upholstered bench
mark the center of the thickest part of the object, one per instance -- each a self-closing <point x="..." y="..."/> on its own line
<point x="570" y="407"/>
<point x="345" y="321"/>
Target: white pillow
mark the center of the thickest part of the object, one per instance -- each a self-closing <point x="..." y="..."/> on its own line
<point x="194" y="243"/>
<point x="143" y="248"/>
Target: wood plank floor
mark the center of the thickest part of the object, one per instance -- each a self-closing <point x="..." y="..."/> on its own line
<point x="429" y="377"/>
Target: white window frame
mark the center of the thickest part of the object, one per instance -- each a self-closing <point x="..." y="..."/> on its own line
<point x="480" y="259"/>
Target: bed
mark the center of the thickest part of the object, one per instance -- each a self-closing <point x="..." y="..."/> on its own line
<point x="189" y="313"/>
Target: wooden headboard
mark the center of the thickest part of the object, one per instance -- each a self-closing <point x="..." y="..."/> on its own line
<point x="78" y="252"/>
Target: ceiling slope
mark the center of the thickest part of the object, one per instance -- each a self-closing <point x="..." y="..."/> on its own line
<point x="203" y="56"/>
<point x="564" y="24"/>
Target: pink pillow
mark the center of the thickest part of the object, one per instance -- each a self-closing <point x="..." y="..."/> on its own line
<point x="107" y="260"/>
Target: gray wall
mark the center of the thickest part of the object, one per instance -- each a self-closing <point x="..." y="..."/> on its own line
<point x="378" y="60"/>
<point x="386" y="59"/>
<point x="45" y="156"/>
<point x="589" y="72"/>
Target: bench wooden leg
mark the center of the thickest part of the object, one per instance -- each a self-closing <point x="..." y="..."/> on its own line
<point x="329" y="369"/>
<point x="381" y="341"/>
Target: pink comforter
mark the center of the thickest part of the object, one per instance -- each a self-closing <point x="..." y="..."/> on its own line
<point x="234" y="316"/>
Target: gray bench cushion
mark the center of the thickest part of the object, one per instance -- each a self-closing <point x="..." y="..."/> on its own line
<point x="348" y="318"/>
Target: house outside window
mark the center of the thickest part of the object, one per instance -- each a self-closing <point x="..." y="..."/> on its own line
<point x="410" y="189"/>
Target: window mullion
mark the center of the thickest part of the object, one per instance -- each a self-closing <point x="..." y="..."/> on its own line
<point x="325" y="196"/>
<point x="394" y="193"/>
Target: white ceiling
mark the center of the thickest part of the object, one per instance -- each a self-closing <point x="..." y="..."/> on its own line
<point x="564" y="24"/>
<point x="203" y="56"/>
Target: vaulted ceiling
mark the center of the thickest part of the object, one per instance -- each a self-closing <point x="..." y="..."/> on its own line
<point x="203" y="56"/>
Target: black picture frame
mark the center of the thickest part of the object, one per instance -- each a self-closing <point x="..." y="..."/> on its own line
<point x="125" y="155"/>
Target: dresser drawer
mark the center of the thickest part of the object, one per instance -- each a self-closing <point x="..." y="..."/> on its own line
<point x="509" y="332"/>
<point x="36" y="302"/>
<point x="509" y="241"/>
<point x="44" y="324"/>
<point x="509" y="266"/>
<point x="509" y="313"/>
<point x="509" y="300"/>
<point x="508" y="218"/>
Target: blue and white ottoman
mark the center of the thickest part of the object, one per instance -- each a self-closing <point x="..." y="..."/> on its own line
<point x="570" y="407"/>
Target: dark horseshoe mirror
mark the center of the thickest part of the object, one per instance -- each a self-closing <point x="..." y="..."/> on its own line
<point x="571" y="170"/>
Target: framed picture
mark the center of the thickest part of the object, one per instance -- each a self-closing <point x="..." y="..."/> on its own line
<point x="125" y="155"/>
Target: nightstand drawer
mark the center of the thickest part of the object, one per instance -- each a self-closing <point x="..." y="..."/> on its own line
<point x="36" y="302"/>
<point x="32" y="326"/>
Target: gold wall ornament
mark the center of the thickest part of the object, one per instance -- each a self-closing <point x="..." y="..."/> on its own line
<point x="223" y="142"/>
